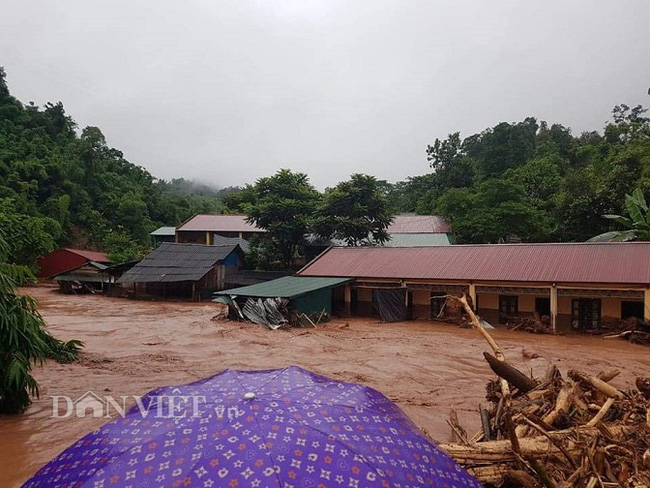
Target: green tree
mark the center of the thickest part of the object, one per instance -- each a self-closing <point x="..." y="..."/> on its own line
<point x="497" y="211"/>
<point x="355" y="211"/>
<point x="283" y="205"/>
<point x="630" y="124"/>
<point x="121" y="248"/>
<point x="27" y="237"/>
<point x="502" y="147"/>
<point x="23" y="338"/>
<point x="132" y="215"/>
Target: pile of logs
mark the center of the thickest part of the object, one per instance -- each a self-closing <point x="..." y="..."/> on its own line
<point x="556" y="431"/>
<point x="632" y="329"/>
<point x="534" y="324"/>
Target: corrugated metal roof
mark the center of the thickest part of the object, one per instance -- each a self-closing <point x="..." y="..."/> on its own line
<point x="611" y="263"/>
<point x="396" y="240"/>
<point x="416" y="240"/>
<point x="172" y="262"/>
<point x="288" y="287"/>
<point x="164" y="231"/>
<point x="81" y="277"/>
<point x="90" y="271"/>
<point x="418" y="224"/>
<point x="90" y="255"/>
<point x="230" y="241"/>
<point x="219" y="223"/>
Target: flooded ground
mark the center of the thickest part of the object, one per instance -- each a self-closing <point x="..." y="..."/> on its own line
<point x="135" y="346"/>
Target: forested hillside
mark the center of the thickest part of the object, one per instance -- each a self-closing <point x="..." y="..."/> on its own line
<point x="61" y="186"/>
<point x="528" y="181"/>
<point x="531" y="180"/>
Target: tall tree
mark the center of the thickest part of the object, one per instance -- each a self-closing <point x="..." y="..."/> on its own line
<point x="355" y="211"/>
<point x="283" y="205"/>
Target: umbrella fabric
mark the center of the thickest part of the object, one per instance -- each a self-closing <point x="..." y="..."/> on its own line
<point x="279" y="428"/>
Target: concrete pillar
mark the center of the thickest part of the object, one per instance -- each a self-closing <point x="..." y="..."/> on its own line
<point x="348" y="300"/>
<point x="241" y="235"/>
<point x="554" y="308"/>
<point x="472" y="295"/>
<point x="646" y="305"/>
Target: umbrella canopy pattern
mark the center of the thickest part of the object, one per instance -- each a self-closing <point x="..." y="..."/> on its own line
<point x="278" y="428"/>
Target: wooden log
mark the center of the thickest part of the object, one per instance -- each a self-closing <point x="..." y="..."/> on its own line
<point x="601" y="413"/>
<point x="509" y="373"/>
<point x="456" y="428"/>
<point x="493" y="473"/>
<point x="512" y="435"/>
<point x="490" y="452"/>
<point x="477" y="325"/>
<point x="505" y="389"/>
<point x="596" y="383"/>
<point x="485" y="422"/>
<point x="562" y="404"/>
<point x="556" y="443"/>
<point x="608" y="376"/>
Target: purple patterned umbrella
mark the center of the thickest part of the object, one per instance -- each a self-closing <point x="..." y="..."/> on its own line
<point x="279" y="428"/>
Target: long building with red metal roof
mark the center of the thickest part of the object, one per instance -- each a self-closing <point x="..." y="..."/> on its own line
<point x="405" y="229"/>
<point x="574" y="283"/>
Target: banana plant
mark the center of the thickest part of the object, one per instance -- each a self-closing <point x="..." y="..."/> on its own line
<point x="637" y="221"/>
<point x="24" y="341"/>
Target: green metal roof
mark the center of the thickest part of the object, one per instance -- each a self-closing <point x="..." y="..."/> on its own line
<point x="286" y="287"/>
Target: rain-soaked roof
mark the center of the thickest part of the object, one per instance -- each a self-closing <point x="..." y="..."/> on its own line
<point x="615" y="263"/>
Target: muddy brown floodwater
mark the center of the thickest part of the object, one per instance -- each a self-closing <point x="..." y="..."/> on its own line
<point x="134" y="346"/>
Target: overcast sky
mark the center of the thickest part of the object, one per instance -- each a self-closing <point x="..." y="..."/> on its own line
<point x="228" y="91"/>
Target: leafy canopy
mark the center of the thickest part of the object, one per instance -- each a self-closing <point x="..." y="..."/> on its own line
<point x="355" y="211"/>
<point x="283" y="205"/>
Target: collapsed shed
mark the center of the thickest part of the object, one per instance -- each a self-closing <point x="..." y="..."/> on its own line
<point x="300" y="295"/>
<point x="87" y="278"/>
<point x="192" y="271"/>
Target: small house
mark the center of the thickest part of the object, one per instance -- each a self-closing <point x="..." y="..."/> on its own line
<point x="191" y="271"/>
<point x="66" y="259"/>
<point x="205" y="229"/>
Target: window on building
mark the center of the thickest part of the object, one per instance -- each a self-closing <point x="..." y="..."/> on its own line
<point x="631" y="309"/>
<point x="586" y="312"/>
<point x="508" y="307"/>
